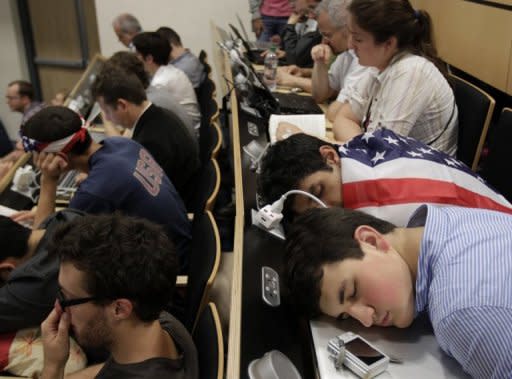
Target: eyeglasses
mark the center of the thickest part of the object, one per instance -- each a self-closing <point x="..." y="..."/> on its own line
<point x="330" y="36"/>
<point x="69" y="303"/>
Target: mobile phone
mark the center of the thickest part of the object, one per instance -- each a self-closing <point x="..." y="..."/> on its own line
<point x="357" y="354"/>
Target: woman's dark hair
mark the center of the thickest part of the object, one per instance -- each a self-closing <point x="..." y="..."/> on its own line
<point x="412" y="28"/>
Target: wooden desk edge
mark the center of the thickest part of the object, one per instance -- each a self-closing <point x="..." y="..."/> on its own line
<point x="235" y="318"/>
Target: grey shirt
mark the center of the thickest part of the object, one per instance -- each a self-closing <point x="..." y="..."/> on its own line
<point x="190" y="65"/>
<point x="185" y="367"/>
<point x="30" y="292"/>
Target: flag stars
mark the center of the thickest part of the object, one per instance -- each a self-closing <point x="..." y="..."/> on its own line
<point x="451" y="162"/>
<point x="425" y="151"/>
<point x="379" y="156"/>
<point x="391" y="140"/>
<point x="342" y="149"/>
<point x="366" y="136"/>
<point x="414" y="154"/>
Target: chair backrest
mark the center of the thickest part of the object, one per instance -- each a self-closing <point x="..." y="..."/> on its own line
<point x="475" y="111"/>
<point x="203" y="267"/>
<point x="5" y="143"/>
<point x="209" y="112"/>
<point x="497" y="165"/>
<point x="204" y="188"/>
<point x="209" y="342"/>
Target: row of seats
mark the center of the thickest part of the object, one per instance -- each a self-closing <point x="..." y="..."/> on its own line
<point x="476" y="108"/>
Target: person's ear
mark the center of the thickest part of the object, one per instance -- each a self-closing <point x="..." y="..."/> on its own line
<point x="329" y="154"/>
<point x="371" y="236"/>
<point x="121" y="105"/>
<point x="5" y="270"/>
<point x="391" y="43"/>
<point x="122" y="309"/>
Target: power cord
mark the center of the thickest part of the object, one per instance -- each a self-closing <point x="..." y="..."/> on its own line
<point x="271" y="214"/>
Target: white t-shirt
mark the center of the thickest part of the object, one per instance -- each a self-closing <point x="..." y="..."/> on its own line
<point x="410" y="97"/>
<point x="179" y="87"/>
<point x="345" y="71"/>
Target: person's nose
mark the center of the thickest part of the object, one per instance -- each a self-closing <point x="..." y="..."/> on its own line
<point x="350" y="42"/>
<point x="362" y="312"/>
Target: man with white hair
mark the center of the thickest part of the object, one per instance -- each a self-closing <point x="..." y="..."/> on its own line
<point x="327" y="81"/>
<point x="126" y="26"/>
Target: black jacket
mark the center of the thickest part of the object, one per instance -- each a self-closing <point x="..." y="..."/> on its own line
<point x="298" y="50"/>
<point x="169" y="141"/>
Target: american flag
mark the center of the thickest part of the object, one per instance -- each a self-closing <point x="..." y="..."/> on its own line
<point x="390" y="176"/>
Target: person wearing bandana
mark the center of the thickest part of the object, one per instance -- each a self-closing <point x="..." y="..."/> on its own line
<point x="122" y="175"/>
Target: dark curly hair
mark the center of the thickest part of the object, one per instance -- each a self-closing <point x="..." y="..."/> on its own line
<point x="121" y="257"/>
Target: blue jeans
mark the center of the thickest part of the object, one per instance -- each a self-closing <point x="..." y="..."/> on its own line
<point x="271" y="26"/>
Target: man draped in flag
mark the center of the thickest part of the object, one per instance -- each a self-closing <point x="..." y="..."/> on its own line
<point x="380" y="173"/>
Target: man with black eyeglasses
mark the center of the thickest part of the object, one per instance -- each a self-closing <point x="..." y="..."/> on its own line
<point x="117" y="274"/>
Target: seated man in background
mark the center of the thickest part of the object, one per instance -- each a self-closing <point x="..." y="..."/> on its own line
<point x="123" y="101"/>
<point x="301" y="34"/>
<point x="382" y="174"/>
<point x="20" y="98"/>
<point x="122" y="175"/>
<point x="117" y="275"/>
<point x="153" y="50"/>
<point x="28" y="275"/>
<point x="182" y="58"/>
<point x="451" y="262"/>
<point x="126" y="26"/>
<point x="326" y="80"/>
<point x="128" y="61"/>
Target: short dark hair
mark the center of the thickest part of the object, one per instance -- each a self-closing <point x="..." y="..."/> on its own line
<point x="152" y="43"/>
<point x="288" y="162"/>
<point x="114" y="83"/>
<point x="53" y="123"/>
<point x="129" y="62"/>
<point x="24" y="88"/>
<point x="170" y="35"/>
<point x="121" y="257"/>
<point x="317" y="237"/>
<point x="14" y="238"/>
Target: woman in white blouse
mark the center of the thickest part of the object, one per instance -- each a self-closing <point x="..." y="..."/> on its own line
<point x="408" y="93"/>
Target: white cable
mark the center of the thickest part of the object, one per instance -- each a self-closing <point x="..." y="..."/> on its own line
<point x="279" y="204"/>
<point x="271" y="214"/>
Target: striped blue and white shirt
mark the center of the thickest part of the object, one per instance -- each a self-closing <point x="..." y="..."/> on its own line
<point x="464" y="281"/>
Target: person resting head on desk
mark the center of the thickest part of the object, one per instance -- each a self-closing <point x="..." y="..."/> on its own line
<point x="409" y="91"/>
<point x="117" y="275"/>
<point x="451" y="262"/>
<point x="380" y="173"/>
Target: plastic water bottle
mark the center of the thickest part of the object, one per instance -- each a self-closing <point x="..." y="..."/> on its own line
<point x="270" y="71"/>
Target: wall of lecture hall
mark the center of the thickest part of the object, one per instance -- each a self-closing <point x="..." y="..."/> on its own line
<point x="12" y="61"/>
<point x="190" y="19"/>
<point x="474" y="37"/>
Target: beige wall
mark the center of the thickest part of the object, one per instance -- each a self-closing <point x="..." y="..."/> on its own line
<point x="12" y="61"/>
<point x="190" y="19"/>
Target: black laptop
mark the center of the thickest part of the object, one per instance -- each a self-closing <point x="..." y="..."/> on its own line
<point x="253" y="54"/>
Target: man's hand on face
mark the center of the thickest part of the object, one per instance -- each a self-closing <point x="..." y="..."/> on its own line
<point x="55" y="336"/>
<point x="257" y="26"/>
<point x="321" y="53"/>
<point x="52" y="165"/>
